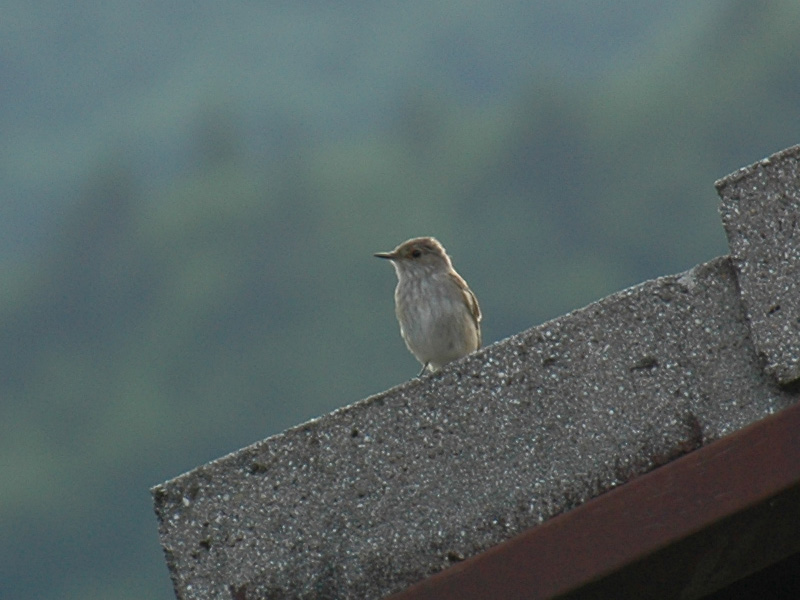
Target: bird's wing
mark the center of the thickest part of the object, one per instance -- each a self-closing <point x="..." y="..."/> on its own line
<point x="471" y="301"/>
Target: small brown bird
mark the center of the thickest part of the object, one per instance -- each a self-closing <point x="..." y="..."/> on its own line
<point x="439" y="315"/>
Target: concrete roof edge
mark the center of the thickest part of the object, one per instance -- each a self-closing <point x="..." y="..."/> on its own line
<point x="375" y="496"/>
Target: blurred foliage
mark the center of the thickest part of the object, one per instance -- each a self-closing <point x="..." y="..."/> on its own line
<point x="165" y="319"/>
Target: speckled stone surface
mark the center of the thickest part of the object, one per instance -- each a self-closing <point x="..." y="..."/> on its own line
<point x="373" y="497"/>
<point x="760" y="210"/>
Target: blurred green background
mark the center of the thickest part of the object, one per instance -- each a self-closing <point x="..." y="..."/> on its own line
<point x="192" y="193"/>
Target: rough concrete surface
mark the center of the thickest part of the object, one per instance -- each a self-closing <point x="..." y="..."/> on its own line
<point x="760" y="209"/>
<point x="375" y="496"/>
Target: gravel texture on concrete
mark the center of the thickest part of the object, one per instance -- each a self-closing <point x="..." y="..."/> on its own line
<point x="373" y="497"/>
<point x="760" y="209"/>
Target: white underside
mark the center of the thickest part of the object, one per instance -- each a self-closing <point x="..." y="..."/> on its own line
<point x="440" y="328"/>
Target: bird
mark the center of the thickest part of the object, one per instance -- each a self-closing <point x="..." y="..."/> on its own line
<point x="438" y="313"/>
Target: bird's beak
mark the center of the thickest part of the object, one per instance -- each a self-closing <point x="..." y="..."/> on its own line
<point x="389" y="255"/>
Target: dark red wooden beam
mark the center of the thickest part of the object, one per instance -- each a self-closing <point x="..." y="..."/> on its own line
<point x="683" y="530"/>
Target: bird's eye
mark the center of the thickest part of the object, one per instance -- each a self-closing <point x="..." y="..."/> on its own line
<point x="416" y="253"/>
